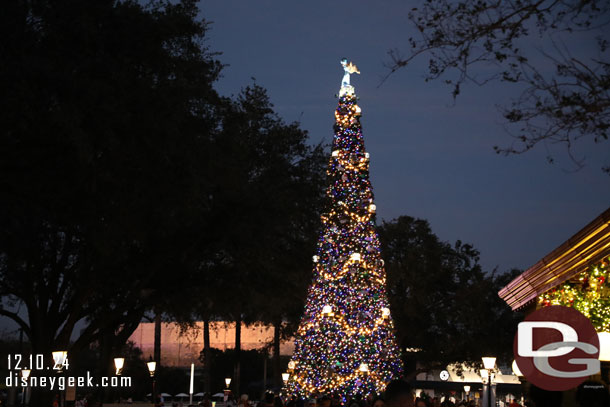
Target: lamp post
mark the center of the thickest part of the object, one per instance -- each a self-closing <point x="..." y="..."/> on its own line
<point x="152" y="366"/>
<point x="467" y="391"/>
<point x="285" y="377"/>
<point x="489" y="363"/>
<point x="25" y="374"/>
<point x="118" y="365"/>
<point x="227" y="390"/>
<point x="59" y="358"/>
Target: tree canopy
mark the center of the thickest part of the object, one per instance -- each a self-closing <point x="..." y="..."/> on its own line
<point x="565" y="80"/>
<point x="445" y="307"/>
<point x="129" y="185"/>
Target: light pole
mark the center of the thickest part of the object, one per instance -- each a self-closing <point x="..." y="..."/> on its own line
<point x="227" y="390"/>
<point x="489" y="363"/>
<point x="152" y="366"/>
<point x="118" y="370"/>
<point x="60" y="357"/>
<point x="25" y="374"/>
<point x="118" y="365"/>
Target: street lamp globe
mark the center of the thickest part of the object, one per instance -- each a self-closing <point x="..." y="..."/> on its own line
<point x="152" y="366"/>
<point x="118" y="365"/>
<point x="604" y="346"/>
<point x="489" y="362"/>
<point x="516" y="369"/>
<point x="228" y="381"/>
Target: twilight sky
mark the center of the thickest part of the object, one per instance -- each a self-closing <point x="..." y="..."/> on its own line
<point x="429" y="158"/>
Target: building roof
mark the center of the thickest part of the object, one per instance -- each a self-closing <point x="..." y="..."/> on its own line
<point x="588" y="246"/>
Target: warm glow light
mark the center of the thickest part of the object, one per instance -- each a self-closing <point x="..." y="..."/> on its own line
<point x="484" y="373"/>
<point x="327" y="310"/>
<point x="192" y="383"/>
<point x="291" y="365"/>
<point x="345" y="307"/>
<point x="604" y="346"/>
<point x="489" y="362"/>
<point x="151" y="367"/>
<point x="228" y="381"/>
<point x="118" y="364"/>
<point x="59" y="357"/>
<point x="516" y="370"/>
<point x="315" y="259"/>
<point x="467" y="389"/>
<point x="285" y="377"/>
<point x="26" y="373"/>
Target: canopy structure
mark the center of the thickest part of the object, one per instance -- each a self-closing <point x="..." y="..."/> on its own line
<point x="588" y="246"/>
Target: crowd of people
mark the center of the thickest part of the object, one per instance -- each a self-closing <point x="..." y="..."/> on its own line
<point x="397" y="394"/>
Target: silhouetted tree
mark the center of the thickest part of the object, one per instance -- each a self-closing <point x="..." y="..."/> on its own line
<point x="565" y="93"/>
<point x="446" y="309"/>
<point x="107" y="112"/>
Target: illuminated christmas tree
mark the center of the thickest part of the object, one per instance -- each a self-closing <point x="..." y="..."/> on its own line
<point x="345" y="343"/>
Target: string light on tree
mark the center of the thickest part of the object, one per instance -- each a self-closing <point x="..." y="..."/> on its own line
<point x="345" y="343"/>
<point x="588" y="292"/>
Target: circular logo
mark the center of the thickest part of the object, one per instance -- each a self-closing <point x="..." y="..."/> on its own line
<point x="556" y="348"/>
<point x="444" y="375"/>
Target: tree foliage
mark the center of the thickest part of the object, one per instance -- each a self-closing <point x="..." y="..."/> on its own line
<point x="565" y="92"/>
<point x="130" y="186"/>
<point x="446" y="309"/>
<point x="106" y="112"/>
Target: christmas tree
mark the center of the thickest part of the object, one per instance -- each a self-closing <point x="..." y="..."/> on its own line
<point x="345" y="343"/>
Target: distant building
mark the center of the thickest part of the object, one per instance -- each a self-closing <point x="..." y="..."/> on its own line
<point x="180" y="349"/>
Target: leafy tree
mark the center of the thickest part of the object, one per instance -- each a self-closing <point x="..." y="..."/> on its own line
<point x="107" y="111"/>
<point x="265" y="199"/>
<point x="446" y="309"/>
<point x="565" y="96"/>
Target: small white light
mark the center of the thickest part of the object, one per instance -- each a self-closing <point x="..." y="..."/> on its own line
<point x="291" y="365"/>
<point x="372" y="208"/>
<point x="228" y="381"/>
<point x="118" y="365"/>
<point x="367" y="155"/>
<point x="285" y="377"/>
<point x="484" y="373"/>
<point x="355" y="257"/>
<point x="516" y="370"/>
<point x="604" y="346"/>
<point x="315" y="259"/>
<point x="327" y="310"/>
<point x="59" y="357"/>
<point x="358" y="110"/>
<point x="26" y="373"/>
<point x="385" y="312"/>
<point x="363" y="367"/>
<point x="152" y="366"/>
<point x="335" y="153"/>
<point x="467" y="389"/>
<point x="489" y="362"/>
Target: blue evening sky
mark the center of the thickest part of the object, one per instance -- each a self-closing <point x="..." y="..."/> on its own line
<point x="429" y="158"/>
